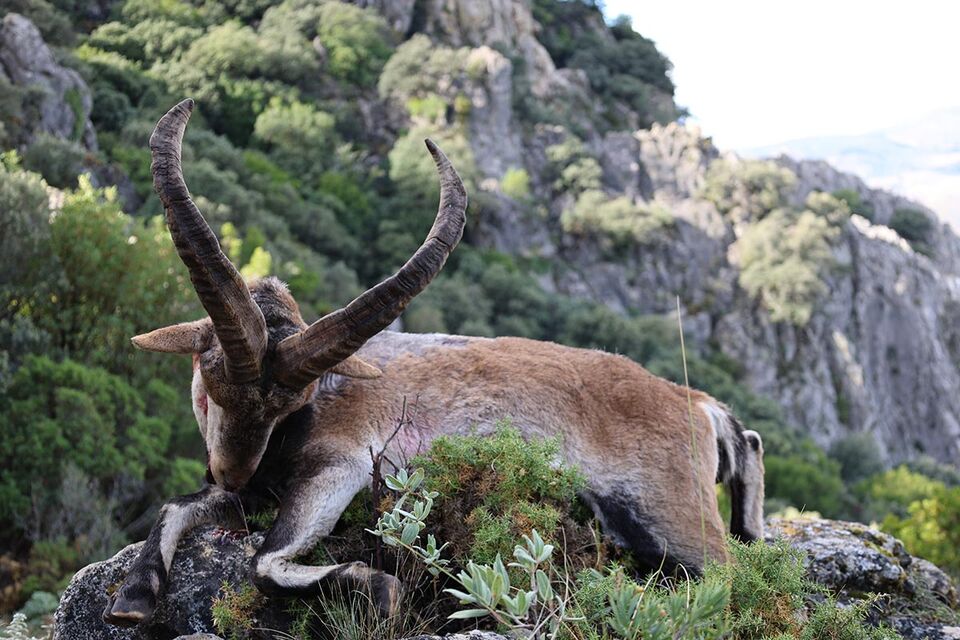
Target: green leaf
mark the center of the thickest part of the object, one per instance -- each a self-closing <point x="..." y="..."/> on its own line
<point x="410" y="532"/>
<point x="468" y="613"/>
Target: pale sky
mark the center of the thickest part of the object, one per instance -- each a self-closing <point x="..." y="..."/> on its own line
<point x="756" y="72"/>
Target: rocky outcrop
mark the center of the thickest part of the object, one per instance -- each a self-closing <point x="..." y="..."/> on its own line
<point x="64" y="101"/>
<point x="853" y="561"/>
<point x="205" y="560"/>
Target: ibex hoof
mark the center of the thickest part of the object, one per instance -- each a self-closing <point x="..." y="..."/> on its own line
<point x="385" y="591"/>
<point x="124" y="611"/>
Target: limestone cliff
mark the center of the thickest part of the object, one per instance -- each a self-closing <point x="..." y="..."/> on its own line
<point x="879" y="353"/>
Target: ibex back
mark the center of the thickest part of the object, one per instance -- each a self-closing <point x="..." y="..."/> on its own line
<point x="292" y="411"/>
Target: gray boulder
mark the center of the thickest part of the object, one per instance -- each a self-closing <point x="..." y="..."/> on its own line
<point x="854" y="561"/>
<point x="204" y="561"/>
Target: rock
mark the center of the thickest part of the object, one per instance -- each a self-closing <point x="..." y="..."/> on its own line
<point x="64" y="98"/>
<point x="203" y="562"/>
<point x="853" y="560"/>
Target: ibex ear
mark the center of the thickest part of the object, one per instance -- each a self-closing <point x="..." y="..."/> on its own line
<point x="186" y="337"/>
<point x="355" y="367"/>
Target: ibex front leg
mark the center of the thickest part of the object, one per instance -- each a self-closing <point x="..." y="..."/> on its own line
<point x="137" y="597"/>
<point x="307" y="514"/>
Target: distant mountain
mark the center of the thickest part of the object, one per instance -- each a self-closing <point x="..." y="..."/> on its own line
<point x="920" y="159"/>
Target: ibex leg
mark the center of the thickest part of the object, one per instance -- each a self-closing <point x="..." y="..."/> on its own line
<point x="136" y="598"/>
<point x="307" y="514"/>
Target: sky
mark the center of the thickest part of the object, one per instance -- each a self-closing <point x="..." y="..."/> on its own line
<point x="755" y="72"/>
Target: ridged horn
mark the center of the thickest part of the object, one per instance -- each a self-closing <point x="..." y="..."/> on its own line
<point x="304" y="356"/>
<point x="237" y="320"/>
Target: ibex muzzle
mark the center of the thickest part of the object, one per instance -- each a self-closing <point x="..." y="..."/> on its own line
<point x="290" y="412"/>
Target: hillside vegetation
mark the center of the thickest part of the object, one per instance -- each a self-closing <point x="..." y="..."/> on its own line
<point x="306" y="157"/>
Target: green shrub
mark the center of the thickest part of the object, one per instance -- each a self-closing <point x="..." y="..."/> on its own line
<point x="619" y="219"/>
<point x="830" y="621"/>
<point x="915" y="227"/>
<point x="859" y="457"/>
<point x="497" y="488"/>
<point x="357" y="42"/>
<point x="856" y="204"/>
<point x="804" y="484"/>
<point x="781" y="260"/>
<point x="516" y="184"/>
<point x="59" y="161"/>
<point x="747" y="190"/>
<point x="767" y="588"/>
<point x="932" y="528"/>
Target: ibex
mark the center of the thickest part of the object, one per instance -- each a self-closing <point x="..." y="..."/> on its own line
<point x="292" y="411"/>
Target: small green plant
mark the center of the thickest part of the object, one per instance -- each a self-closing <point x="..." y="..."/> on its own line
<point x="695" y="611"/>
<point x="767" y="587"/>
<point x="17" y="629"/>
<point x="234" y="610"/>
<point x="830" y="621"/>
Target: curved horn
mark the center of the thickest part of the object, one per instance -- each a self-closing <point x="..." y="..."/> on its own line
<point x="304" y="356"/>
<point x="237" y="320"/>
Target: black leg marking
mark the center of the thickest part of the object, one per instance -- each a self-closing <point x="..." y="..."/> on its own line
<point x="738" y="510"/>
<point x="622" y="520"/>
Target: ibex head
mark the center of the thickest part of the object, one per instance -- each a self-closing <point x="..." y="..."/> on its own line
<point x="255" y="359"/>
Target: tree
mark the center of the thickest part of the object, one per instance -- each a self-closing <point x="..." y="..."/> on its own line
<point x="357" y="42"/>
<point x="299" y="136"/>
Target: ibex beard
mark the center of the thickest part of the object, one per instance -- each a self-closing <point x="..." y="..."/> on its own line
<point x="290" y="412"/>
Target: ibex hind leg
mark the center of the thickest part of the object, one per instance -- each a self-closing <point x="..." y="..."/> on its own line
<point x="137" y="597"/>
<point x="306" y="515"/>
<point x="624" y="522"/>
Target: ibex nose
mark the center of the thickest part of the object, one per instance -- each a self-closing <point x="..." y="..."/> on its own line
<point x="231" y="480"/>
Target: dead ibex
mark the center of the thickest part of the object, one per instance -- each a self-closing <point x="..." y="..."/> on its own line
<point x="293" y="411"/>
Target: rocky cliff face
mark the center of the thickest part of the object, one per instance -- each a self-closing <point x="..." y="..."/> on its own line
<point x="880" y="352"/>
<point x="62" y="98"/>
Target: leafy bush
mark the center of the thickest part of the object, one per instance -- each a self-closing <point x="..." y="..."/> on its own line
<point x="516" y="184"/>
<point x="625" y="70"/>
<point x="781" y="258"/>
<point x="915" y="227"/>
<point x="57" y="160"/>
<point x="931" y="528"/>
<point x="299" y="137"/>
<point x="813" y="486"/>
<point x="357" y="42"/>
<point x="855" y="203"/>
<point x="418" y="68"/>
<point x="747" y="190"/>
<point x="619" y="219"/>
<point x="859" y="457"/>
<point x="499" y="487"/>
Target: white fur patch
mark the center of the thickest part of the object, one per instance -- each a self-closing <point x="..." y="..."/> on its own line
<point x="724" y="433"/>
